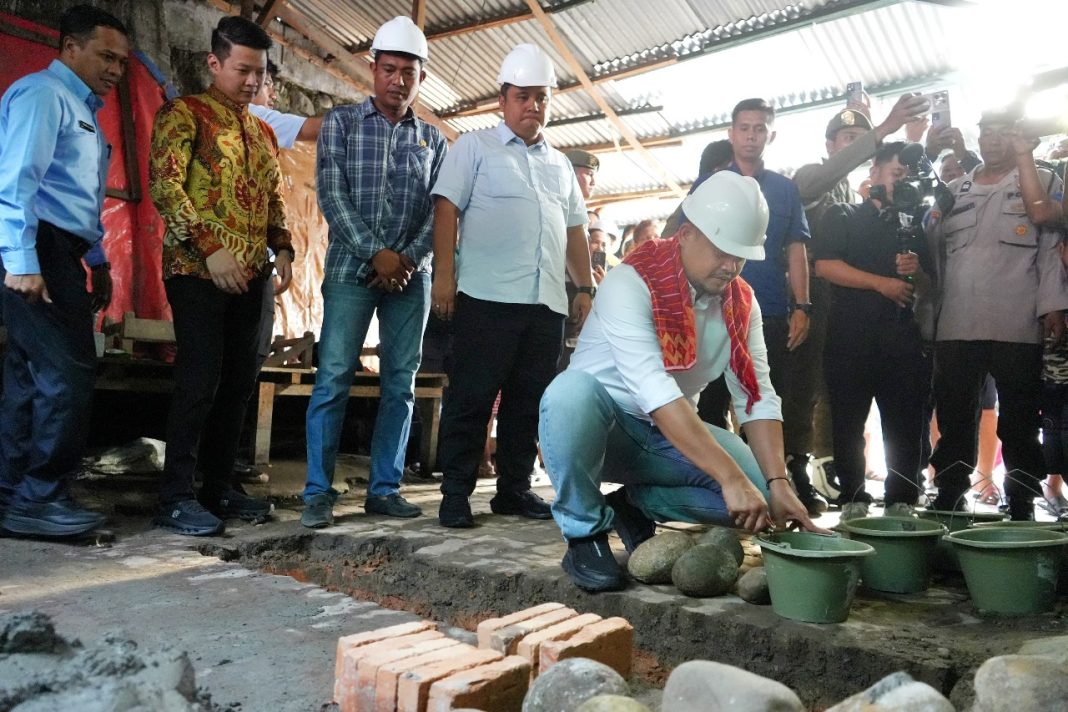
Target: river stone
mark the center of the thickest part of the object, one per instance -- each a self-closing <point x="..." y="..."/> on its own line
<point x="705" y="570"/>
<point x="1054" y="646"/>
<point x="753" y="586"/>
<point x="726" y="538"/>
<point x="896" y="693"/>
<point x="652" y="561"/>
<point x="570" y="682"/>
<point x="702" y="685"/>
<point x="1021" y="683"/>
<point x="611" y="703"/>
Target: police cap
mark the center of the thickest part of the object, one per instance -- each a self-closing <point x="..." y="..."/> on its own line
<point x="847" y="119"/>
<point x="583" y="159"/>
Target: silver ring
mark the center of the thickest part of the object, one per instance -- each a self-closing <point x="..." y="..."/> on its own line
<point x="393" y="283"/>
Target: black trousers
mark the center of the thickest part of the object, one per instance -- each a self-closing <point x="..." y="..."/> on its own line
<point x="960" y="369"/>
<point x="214" y="374"/>
<point x="497" y="347"/>
<point x="791" y="379"/>
<point x="886" y="361"/>
<point x="48" y="375"/>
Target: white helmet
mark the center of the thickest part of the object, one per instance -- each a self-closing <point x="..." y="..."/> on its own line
<point x="731" y="212"/>
<point x="401" y="35"/>
<point x="527" y="66"/>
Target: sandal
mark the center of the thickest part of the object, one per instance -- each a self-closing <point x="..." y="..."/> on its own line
<point x="989" y="496"/>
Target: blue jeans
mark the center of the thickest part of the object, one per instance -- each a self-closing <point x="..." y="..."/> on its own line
<point x="586" y="439"/>
<point x="347" y="311"/>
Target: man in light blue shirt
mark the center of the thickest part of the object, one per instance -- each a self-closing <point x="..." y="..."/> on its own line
<point x="522" y="218"/>
<point x="288" y="128"/>
<point x="53" y="168"/>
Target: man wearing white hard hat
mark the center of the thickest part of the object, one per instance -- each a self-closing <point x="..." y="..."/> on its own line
<point x="376" y="165"/>
<point x="521" y="213"/>
<point x="674" y="316"/>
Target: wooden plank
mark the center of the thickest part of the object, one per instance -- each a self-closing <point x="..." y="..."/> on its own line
<point x="267" y="13"/>
<point x="419" y="13"/>
<point x="430" y="415"/>
<point x="261" y="436"/>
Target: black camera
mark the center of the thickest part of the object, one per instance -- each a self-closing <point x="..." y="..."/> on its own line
<point x="914" y="193"/>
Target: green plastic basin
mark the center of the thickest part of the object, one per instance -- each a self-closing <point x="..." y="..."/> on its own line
<point x="903" y="547"/>
<point x="1010" y="570"/>
<point x="812" y="577"/>
<point x="944" y="556"/>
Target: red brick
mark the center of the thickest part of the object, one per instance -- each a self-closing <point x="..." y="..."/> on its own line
<point x="367" y="668"/>
<point x="499" y="686"/>
<point x="610" y="641"/>
<point x="504" y="640"/>
<point x="389" y="674"/>
<point x="529" y="647"/>
<point x="373" y="636"/>
<point x="487" y="627"/>
<point x="413" y="688"/>
<point x="346" y="685"/>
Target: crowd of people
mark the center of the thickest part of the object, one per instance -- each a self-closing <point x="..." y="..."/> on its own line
<point x="784" y="305"/>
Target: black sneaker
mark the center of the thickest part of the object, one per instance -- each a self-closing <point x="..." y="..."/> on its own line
<point x="190" y="518"/>
<point x="391" y="505"/>
<point x="59" y="518"/>
<point x="235" y="504"/>
<point x="455" y="512"/>
<point x="318" y="512"/>
<point x="630" y="522"/>
<point x="949" y="502"/>
<point x="590" y="564"/>
<point x="522" y="504"/>
<point x="797" y="467"/>
<point x="1021" y="509"/>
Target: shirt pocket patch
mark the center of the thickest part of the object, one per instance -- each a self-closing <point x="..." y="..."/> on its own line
<point x="959" y="228"/>
<point x="503" y="179"/>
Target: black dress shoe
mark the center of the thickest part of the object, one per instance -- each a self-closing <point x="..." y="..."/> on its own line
<point x="590" y="564"/>
<point x="630" y="522"/>
<point x="235" y="504"/>
<point x="455" y="512"/>
<point x="50" y="519"/>
<point x="949" y="502"/>
<point x="523" y="504"/>
<point x="391" y="505"/>
<point x="1021" y="509"/>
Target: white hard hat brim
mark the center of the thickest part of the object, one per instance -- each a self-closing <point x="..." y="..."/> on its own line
<point x="745" y="252"/>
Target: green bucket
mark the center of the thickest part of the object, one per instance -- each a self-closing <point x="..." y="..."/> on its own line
<point x="1010" y="570"/>
<point x="944" y="556"/>
<point x="903" y="547"/>
<point x="1048" y="526"/>
<point x="812" y="577"/>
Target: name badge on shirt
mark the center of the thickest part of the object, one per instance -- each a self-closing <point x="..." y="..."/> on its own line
<point x="965" y="186"/>
<point x="87" y="126"/>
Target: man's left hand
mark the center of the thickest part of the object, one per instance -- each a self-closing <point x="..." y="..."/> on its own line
<point x="785" y="507"/>
<point x="1024" y="146"/>
<point x="100" y="294"/>
<point x="798" y="329"/>
<point x="580" y="308"/>
<point x="1053" y="326"/>
<point x="283" y="265"/>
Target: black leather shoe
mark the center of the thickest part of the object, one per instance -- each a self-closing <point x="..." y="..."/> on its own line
<point x="455" y="512"/>
<point x="630" y="522"/>
<point x="523" y="504"/>
<point x="391" y="505"/>
<point x="1021" y="509"/>
<point x="235" y="504"/>
<point x="590" y="564"/>
<point x="949" y="502"/>
<point x="49" y="519"/>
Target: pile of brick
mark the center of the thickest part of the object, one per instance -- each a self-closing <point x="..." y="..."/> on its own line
<point x="413" y="667"/>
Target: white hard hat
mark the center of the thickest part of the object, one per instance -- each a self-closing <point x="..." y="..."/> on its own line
<point x="401" y="35"/>
<point x="731" y="212"/>
<point x="527" y="66"/>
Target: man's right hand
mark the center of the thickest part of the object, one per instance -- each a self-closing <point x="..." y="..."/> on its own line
<point x="443" y="292"/>
<point x="747" y="507"/>
<point x="30" y="287"/>
<point x="910" y="107"/>
<point x="391" y="271"/>
<point x="226" y="273"/>
<point x="898" y="291"/>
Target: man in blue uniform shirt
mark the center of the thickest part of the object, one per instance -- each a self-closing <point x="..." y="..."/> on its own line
<point x="53" y="169"/>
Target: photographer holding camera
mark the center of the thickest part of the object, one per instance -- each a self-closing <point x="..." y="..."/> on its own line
<point x="1003" y="289"/>
<point x="877" y="271"/>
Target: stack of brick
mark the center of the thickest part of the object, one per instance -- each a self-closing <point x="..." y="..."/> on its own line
<point x="413" y="667"/>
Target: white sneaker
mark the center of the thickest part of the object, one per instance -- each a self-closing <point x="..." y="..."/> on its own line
<point x="854" y="510"/>
<point x="899" y="509"/>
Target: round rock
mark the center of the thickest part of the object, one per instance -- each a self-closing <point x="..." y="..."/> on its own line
<point x="570" y="683"/>
<point x="726" y="538"/>
<point x="653" y="560"/>
<point x="611" y="703"/>
<point x="705" y="570"/>
<point x="1028" y="683"/>
<point x="753" y="586"/>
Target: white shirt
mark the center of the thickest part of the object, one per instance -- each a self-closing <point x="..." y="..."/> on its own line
<point x="618" y="346"/>
<point x="516" y="204"/>
<point x="286" y="127"/>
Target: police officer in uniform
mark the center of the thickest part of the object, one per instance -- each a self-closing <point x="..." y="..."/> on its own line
<point x="1003" y="291"/>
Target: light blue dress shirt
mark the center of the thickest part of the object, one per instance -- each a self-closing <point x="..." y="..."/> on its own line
<point x="53" y="165"/>
<point x="516" y="203"/>
<point x="286" y="127"/>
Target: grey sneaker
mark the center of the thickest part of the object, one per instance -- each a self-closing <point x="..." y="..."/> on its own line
<point x="899" y="509"/>
<point x="318" y="512"/>
<point x="854" y="510"/>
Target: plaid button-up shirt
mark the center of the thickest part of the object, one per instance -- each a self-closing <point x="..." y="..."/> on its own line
<point x="374" y="180"/>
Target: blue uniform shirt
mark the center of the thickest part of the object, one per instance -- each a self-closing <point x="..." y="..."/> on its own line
<point x="53" y="164"/>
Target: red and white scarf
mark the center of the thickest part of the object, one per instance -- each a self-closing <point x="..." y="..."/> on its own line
<point x="659" y="264"/>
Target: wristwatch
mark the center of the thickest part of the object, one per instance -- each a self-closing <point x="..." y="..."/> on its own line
<point x="805" y="307"/>
<point x="592" y="291"/>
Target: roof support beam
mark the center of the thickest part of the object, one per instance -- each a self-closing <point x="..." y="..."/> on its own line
<point x="267" y="13"/>
<point x="612" y="146"/>
<point x="419" y="13"/>
<point x="599" y="201"/>
<point x="609" y="113"/>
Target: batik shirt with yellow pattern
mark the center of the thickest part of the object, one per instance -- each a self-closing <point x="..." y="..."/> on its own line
<point x="215" y="179"/>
